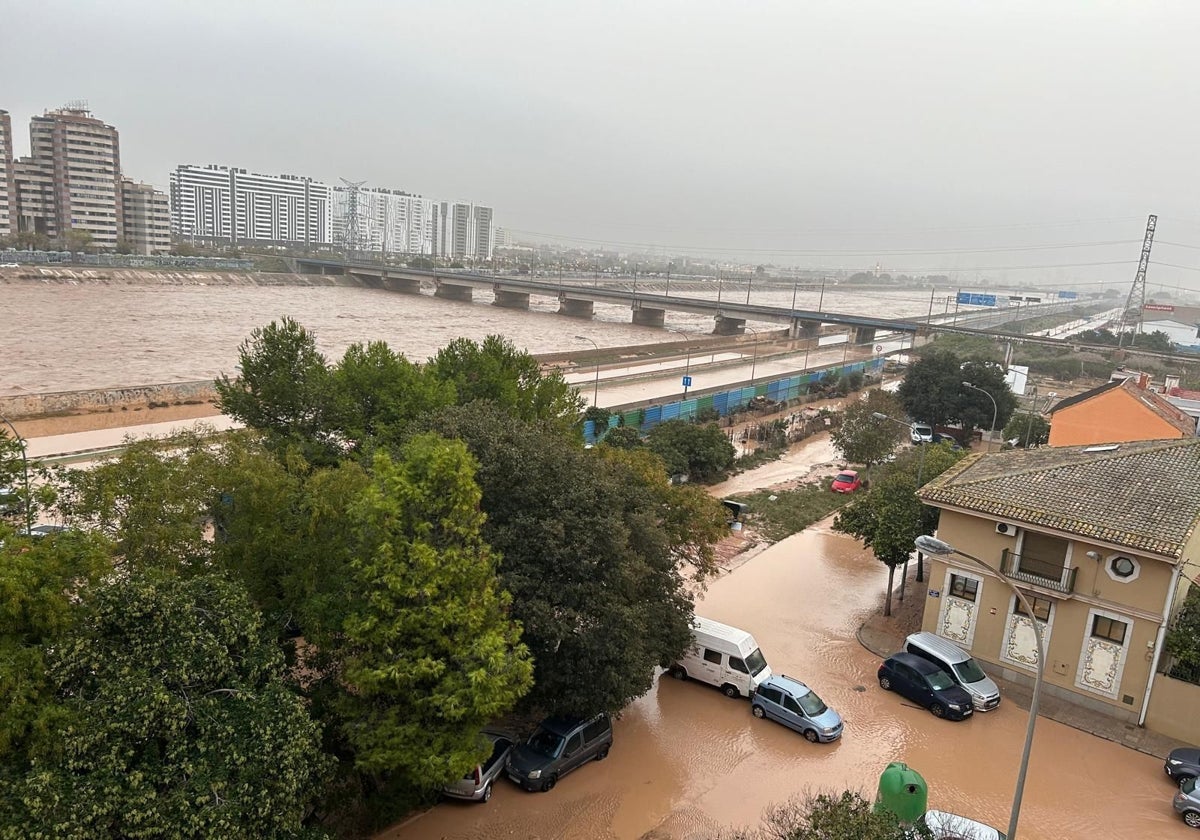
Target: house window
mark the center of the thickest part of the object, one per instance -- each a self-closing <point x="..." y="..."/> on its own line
<point x="1111" y="629"/>
<point x="1041" y="608"/>
<point x="1122" y="567"/>
<point x="964" y="587"/>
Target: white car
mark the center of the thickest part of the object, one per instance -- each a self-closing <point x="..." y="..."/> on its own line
<point x="10" y="265"/>
<point x="921" y="433"/>
<point x="946" y="826"/>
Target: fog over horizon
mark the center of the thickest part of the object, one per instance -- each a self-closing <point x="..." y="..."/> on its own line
<point x="930" y="136"/>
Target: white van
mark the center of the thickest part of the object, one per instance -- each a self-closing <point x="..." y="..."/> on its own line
<point x="985" y="694"/>
<point x="723" y="656"/>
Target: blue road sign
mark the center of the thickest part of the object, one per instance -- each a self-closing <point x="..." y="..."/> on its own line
<point x="687" y="382"/>
<point x="973" y="299"/>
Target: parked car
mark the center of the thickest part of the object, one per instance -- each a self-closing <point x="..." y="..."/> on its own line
<point x="792" y="703"/>
<point x="1183" y="764"/>
<point x="938" y="437"/>
<point x="921" y="433"/>
<point x="925" y="683"/>
<point x="476" y="786"/>
<point x="985" y="694"/>
<point x="557" y="747"/>
<point x="945" y="826"/>
<point x="1187" y="803"/>
<point x="39" y="531"/>
<point x="847" y="481"/>
<point x="10" y="265"/>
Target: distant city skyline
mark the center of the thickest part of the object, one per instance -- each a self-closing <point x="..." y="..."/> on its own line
<point x="1005" y="140"/>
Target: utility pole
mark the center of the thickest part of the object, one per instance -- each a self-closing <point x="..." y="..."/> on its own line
<point x="351" y="232"/>
<point x="1137" y="292"/>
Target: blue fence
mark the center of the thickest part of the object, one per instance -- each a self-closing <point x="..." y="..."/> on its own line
<point x="724" y="402"/>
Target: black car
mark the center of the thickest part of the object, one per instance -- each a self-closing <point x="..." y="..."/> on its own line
<point x="1183" y="764"/>
<point x="923" y="682"/>
<point x="557" y="747"/>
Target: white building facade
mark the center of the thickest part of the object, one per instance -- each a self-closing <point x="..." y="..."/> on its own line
<point x="464" y="231"/>
<point x="387" y="221"/>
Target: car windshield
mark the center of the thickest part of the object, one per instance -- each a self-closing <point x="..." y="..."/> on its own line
<point x="939" y="680"/>
<point x="812" y="704"/>
<point x="923" y="430"/>
<point x="755" y="662"/>
<point x="969" y="672"/>
<point x="845" y="478"/>
<point x="546" y="743"/>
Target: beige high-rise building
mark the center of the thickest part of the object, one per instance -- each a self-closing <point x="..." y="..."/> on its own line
<point x="82" y="156"/>
<point x="146" y="226"/>
<point x="8" y="185"/>
<point x="34" y="182"/>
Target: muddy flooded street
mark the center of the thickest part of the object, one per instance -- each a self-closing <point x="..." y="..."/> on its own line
<point x="687" y="762"/>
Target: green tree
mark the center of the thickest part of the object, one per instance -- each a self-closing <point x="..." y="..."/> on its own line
<point x="429" y="652"/>
<point x="284" y="389"/>
<point x="933" y="392"/>
<point x="1028" y="429"/>
<point x="703" y="452"/>
<point x="623" y="437"/>
<point x="1156" y="342"/>
<point x="975" y="410"/>
<point x="1182" y="641"/>
<point x="864" y="438"/>
<point x="76" y="240"/>
<point x="596" y="549"/>
<point x="177" y="723"/>
<point x="496" y="371"/>
<point x="831" y="816"/>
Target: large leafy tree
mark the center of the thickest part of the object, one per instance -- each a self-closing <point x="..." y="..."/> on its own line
<point x="429" y="654"/>
<point x="177" y="723"/>
<point x="284" y="389"/>
<point x="594" y="552"/>
<point x="701" y="451"/>
<point x="864" y="438"/>
<point x="496" y="371"/>
<point x="1028" y="429"/>
<point x="933" y="392"/>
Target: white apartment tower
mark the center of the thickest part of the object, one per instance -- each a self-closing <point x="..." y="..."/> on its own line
<point x="464" y="231"/>
<point x="220" y="204"/>
<point x="388" y="221"/>
<point x="8" y="183"/>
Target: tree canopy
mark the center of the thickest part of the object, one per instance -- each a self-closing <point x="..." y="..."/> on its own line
<point x="933" y="392"/>
<point x="700" y="451"/>
<point x="866" y="439"/>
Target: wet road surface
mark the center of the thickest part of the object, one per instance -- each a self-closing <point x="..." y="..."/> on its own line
<point x="687" y="761"/>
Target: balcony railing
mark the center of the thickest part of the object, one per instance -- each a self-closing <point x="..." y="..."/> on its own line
<point x="1048" y="574"/>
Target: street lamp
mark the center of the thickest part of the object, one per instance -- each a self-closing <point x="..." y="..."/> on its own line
<point x="687" y="365"/>
<point x="596" y="386"/>
<point x="995" y="411"/>
<point x="931" y="545"/>
<point x="25" y="464"/>
<point x="754" y="358"/>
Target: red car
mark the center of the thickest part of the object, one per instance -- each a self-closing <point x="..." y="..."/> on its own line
<point x="847" y="481"/>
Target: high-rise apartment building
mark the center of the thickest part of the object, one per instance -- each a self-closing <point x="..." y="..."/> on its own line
<point x="464" y="231"/>
<point x="146" y="223"/>
<point x="82" y="155"/>
<point x="384" y="221"/>
<point x="8" y="184"/>
<point x="220" y="204"/>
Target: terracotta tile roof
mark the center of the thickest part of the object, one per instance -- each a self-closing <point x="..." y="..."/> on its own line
<point x="1151" y="400"/>
<point x="1143" y="495"/>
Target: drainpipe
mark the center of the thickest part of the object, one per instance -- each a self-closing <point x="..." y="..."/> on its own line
<point x="1158" y="640"/>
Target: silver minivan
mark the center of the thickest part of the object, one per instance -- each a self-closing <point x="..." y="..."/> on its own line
<point x="985" y="694"/>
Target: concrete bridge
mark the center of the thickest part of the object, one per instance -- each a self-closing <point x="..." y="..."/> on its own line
<point x="648" y="309"/>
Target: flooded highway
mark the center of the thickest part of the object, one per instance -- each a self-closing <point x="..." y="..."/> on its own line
<point x="687" y="761"/>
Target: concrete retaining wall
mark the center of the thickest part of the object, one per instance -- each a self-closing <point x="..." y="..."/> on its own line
<point x="162" y="277"/>
<point x="106" y="399"/>
<point x="1173" y="705"/>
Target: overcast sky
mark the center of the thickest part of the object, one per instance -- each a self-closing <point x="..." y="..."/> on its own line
<point x="790" y="131"/>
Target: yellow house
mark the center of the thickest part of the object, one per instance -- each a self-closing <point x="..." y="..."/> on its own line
<point x="1124" y="410"/>
<point x="1101" y="539"/>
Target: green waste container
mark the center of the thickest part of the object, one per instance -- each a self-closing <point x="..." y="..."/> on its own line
<point x="902" y="791"/>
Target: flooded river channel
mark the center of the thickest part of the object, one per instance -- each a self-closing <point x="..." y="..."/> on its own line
<point x="687" y="762"/>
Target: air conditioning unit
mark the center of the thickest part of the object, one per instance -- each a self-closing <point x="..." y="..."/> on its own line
<point x="1007" y="529"/>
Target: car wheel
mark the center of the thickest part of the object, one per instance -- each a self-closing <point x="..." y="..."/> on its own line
<point x="885" y="683"/>
<point x="603" y="754"/>
<point x="487" y="792"/>
<point x="678" y="672"/>
<point x="810" y="735"/>
<point x="938" y="710"/>
<point x="731" y="691"/>
<point x="548" y="784"/>
<point x="1192" y="818"/>
<point x="759" y="711"/>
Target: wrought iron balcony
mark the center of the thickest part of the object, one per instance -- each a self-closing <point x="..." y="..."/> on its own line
<point x="1048" y="574"/>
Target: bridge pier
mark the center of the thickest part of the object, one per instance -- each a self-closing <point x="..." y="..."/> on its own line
<point x="511" y="300"/>
<point x="800" y="328"/>
<point x="726" y="325"/>
<point x="407" y="285"/>
<point x="452" y="291"/>
<point x="648" y="317"/>
<point x="575" y="308"/>
<point x="863" y="335"/>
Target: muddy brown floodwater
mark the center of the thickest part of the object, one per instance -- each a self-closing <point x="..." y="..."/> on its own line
<point x="687" y="762"/>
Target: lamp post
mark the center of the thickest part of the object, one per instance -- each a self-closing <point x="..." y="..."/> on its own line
<point x="596" y="385"/>
<point x="995" y="411"/>
<point x="687" y="365"/>
<point x="931" y="545"/>
<point x="754" y="358"/>
<point x="25" y="465"/>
